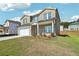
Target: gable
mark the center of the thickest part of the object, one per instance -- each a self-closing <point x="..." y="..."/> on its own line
<point x="6" y="24"/>
<point x="41" y="15"/>
<point x="48" y="11"/>
<point x="25" y="19"/>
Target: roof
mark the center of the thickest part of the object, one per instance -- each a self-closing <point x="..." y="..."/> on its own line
<point x="44" y="10"/>
<point x="40" y="12"/>
<point x="1" y="25"/>
<point x="28" y="24"/>
<point x="75" y="23"/>
<point x="12" y="21"/>
<point x="24" y="16"/>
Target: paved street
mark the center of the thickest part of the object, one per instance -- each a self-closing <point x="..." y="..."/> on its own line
<point x="7" y="37"/>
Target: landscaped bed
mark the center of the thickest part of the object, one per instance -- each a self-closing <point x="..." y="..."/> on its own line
<point x="60" y="45"/>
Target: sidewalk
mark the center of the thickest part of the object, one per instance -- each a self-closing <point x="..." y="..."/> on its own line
<point x="8" y="37"/>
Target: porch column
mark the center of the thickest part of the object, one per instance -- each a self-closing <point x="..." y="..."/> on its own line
<point x="37" y="29"/>
<point x="53" y="29"/>
<point x="30" y="31"/>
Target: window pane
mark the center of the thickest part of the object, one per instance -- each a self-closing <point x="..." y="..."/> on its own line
<point x="45" y="16"/>
<point x="35" y="19"/>
<point x="12" y="26"/>
<point x="48" y="28"/>
<point x="48" y="16"/>
<point x="24" y="20"/>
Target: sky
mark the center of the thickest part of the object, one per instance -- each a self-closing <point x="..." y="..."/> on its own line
<point x="14" y="11"/>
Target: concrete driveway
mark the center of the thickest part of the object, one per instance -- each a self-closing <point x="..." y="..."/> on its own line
<point x="8" y="37"/>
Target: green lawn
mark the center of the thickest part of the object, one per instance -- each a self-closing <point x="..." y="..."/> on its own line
<point x="59" y="45"/>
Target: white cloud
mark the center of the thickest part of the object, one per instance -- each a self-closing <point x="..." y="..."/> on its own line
<point x="63" y="3"/>
<point x="17" y="5"/>
<point x="16" y="18"/>
<point x="26" y="12"/>
<point x="74" y="18"/>
<point x="8" y="6"/>
<point x="11" y="9"/>
<point x="31" y="13"/>
<point x="65" y="20"/>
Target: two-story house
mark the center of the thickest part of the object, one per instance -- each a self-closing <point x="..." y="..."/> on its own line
<point x="10" y="27"/>
<point x="46" y="22"/>
<point x="1" y="29"/>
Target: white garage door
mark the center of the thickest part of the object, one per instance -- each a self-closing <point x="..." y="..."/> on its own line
<point x="24" y="32"/>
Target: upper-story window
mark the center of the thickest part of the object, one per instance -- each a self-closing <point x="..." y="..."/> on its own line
<point x="24" y="20"/>
<point x="48" y="16"/>
<point x="35" y="19"/>
<point x="13" y="26"/>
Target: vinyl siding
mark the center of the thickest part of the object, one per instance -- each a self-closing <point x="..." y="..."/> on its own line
<point x="74" y="27"/>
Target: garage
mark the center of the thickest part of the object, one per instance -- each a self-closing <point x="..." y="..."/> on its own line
<point x="24" y="31"/>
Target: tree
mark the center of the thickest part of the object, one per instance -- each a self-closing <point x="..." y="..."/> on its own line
<point x="65" y="24"/>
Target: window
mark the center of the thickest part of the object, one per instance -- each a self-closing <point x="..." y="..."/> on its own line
<point x="24" y="21"/>
<point x="48" y="29"/>
<point x="6" y="30"/>
<point x="12" y="26"/>
<point x="35" y="19"/>
<point x="47" y="16"/>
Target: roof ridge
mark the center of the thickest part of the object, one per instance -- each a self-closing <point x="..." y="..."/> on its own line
<point x="41" y="11"/>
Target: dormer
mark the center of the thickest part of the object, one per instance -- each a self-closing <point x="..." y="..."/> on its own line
<point x="25" y="19"/>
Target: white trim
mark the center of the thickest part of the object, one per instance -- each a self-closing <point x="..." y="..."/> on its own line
<point x="34" y="23"/>
<point x="52" y="27"/>
<point x="37" y="29"/>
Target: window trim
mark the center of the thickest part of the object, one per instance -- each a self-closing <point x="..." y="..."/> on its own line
<point x="24" y="20"/>
<point x="48" y="29"/>
<point x="35" y="19"/>
<point x="48" y="16"/>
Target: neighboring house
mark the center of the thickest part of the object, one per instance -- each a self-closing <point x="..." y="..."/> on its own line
<point x="1" y="29"/>
<point x="74" y="26"/>
<point x="10" y="27"/>
<point x="46" y="22"/>
<point x="61" y="28"/>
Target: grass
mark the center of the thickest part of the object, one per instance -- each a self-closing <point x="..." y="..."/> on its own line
<point x="44" y="46"/>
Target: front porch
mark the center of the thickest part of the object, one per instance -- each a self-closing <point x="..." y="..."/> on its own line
<point x="46" y="28"/>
